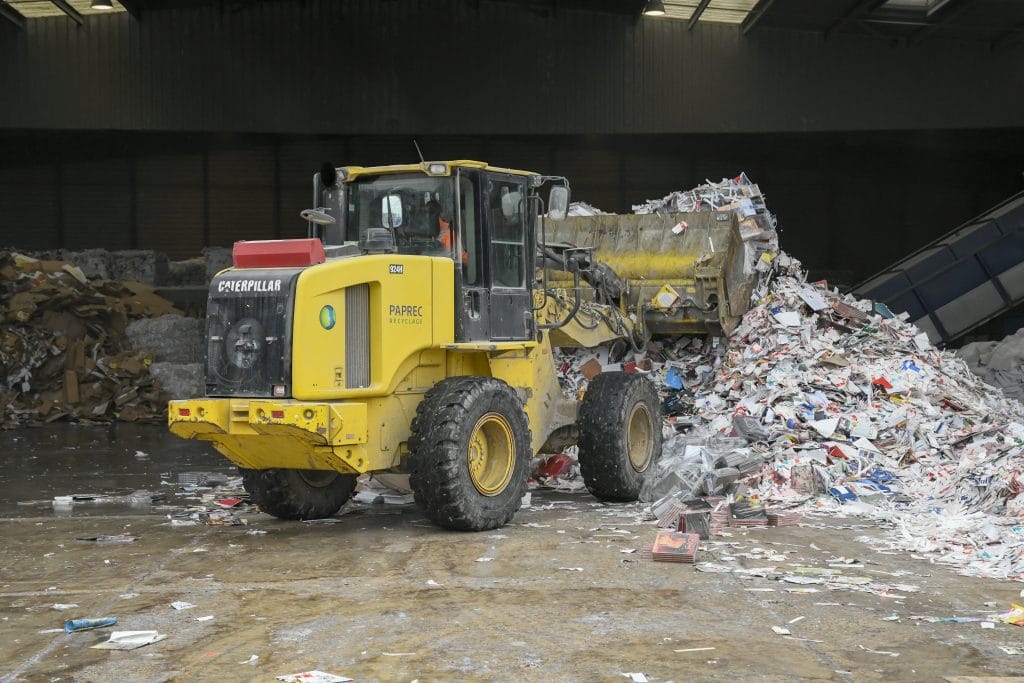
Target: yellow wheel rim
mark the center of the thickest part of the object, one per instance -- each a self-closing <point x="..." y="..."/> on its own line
<point x="639" y="437"/>
<point x="492" y="452"/>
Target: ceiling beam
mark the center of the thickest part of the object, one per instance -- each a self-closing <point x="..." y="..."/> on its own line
<point x="755" y="15"/>
<point x="858" y="9"/>
<point x="12" y="15"/>
<point x="949" y="11"/>
<point x="65" y="7"/>
<point x="695" y="17"/>
<point x="133" y="7"/>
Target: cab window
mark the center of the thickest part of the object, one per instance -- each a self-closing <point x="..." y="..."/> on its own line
<point x="506" y="213"/>
<point x="469" y="229"/>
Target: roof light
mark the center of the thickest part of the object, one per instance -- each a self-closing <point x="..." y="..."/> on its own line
<point x="654" y="8"/>
<point x="437" y="169"/>
<point x="102" y="4"/>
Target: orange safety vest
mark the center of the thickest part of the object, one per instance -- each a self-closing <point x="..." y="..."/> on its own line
<point x="445" y="238"/>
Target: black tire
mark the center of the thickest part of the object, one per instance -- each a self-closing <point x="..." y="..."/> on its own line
<point x="614" y="403"/>
<point x="298" y="494"/>
<point x="470" y="453"/>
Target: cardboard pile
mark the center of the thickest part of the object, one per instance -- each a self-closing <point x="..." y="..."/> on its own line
<point x="63" y="351"/>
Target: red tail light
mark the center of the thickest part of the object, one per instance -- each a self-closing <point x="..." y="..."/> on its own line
<point x="277" y="414"/>
<point x="184" y="412"/>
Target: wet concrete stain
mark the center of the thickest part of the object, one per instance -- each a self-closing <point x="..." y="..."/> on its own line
<point x="383" y="595"/>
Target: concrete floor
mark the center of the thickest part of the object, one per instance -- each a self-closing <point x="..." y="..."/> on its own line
<point x="382" y="595"/>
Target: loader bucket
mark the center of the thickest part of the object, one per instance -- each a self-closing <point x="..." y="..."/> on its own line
<point x="706" y="264"/>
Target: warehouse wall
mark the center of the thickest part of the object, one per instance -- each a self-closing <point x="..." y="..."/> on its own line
<point x="482" y="67"/>
<point x="848" y="203"/>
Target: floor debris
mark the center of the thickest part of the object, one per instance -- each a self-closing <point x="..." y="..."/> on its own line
<point x="74" y="625"/>
<point x="313" y="677"/>
<point x="129" y="640"/>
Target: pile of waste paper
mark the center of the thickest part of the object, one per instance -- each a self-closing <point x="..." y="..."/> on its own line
<point x="63" y="350"/>
<point x="739" y="195"/>
<point x="584" y="209"/>
<point x="826" y="404"/>
<point x="1000" y="363"/>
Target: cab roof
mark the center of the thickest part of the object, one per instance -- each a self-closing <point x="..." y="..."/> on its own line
<point x="349" y="173"/>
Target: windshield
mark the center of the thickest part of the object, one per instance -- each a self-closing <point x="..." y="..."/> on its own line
<point x="417" y="207"/>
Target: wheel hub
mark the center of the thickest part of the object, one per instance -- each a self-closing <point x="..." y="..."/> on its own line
<point x="639" y="437"/>
<point x="318" y="478"/>
<point x="491" y="454"/>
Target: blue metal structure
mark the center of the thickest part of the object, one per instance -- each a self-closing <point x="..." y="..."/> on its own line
<point x="961" y="280"/>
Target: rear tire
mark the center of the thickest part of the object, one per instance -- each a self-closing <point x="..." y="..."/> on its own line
<point x="470" y="453"/>
<point x="298" y="494"/>
<point x="619" y="434"/>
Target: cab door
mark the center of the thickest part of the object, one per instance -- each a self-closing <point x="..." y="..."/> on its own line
<point x="472" y="288"/>
<point x="505" y="220"/>
<point x="493" y="267"/>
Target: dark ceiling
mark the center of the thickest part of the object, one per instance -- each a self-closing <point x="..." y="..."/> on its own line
<point x="1000" y="23"/>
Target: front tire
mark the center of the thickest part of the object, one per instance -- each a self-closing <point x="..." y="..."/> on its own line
<point x="620" y="435"/>
<point x="298" y="494"/>
<point x="471" y="453"/>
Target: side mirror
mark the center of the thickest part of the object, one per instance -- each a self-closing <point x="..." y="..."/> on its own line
<point x="558" y="203"/>
<point x="391" y="211"/>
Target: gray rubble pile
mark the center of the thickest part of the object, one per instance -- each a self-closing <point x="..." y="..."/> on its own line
<point x="172" y="338"/>
<point x="1000" y="363"/>
<point x="177" y="345"/>
<point x="132" y="265"/>
<point x="217" y="259"/>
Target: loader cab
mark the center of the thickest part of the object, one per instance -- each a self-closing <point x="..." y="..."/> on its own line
<point x="486" y="213"/>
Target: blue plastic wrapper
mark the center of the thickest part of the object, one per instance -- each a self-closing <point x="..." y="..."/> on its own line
<point x="883" y="310"/>
<point x="673" y="379"/>
<point x="88" y="624"/>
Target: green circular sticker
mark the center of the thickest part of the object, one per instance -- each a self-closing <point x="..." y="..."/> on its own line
<point x="327" y="318"/>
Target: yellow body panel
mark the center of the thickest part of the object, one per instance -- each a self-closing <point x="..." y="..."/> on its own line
<point x="305" y="435"/>
<point x="366" y="434"/>
<point x="531" y="372"/>
<point x="410" y="313"/>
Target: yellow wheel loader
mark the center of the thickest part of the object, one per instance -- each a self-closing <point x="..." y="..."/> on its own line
<point x="412" y="332"/>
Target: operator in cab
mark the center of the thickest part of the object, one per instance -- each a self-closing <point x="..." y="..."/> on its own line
<point x="445" y="234"/>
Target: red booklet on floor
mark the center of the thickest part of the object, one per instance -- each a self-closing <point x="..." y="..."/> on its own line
<point x="675" y="546"/>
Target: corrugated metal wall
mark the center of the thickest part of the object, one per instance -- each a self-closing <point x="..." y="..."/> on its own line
<point x="848" y="202"/>
<point x="481" y="67"/>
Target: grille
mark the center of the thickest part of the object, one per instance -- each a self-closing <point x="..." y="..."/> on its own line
<point x="357" y="336"/>
<point x="248" y="332"/>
